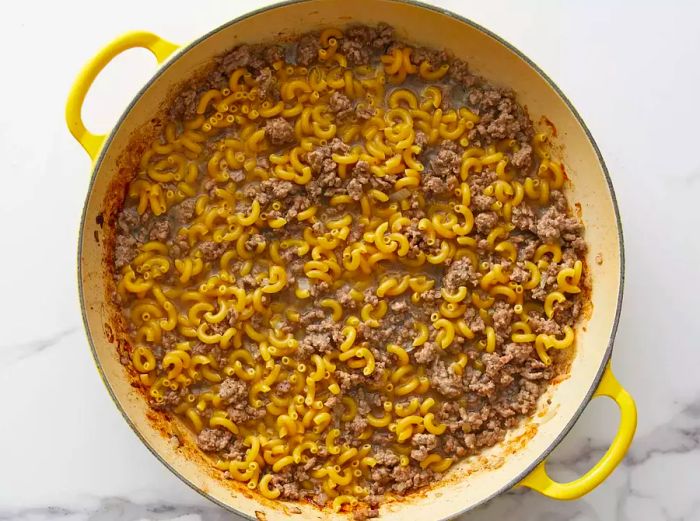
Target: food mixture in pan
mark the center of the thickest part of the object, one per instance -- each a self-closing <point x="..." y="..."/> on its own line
<point x="347" y="263"/>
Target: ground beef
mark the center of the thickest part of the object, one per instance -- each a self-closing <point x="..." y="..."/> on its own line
<point x="169" y="339"/>
<point x="331" y="402"/>
<point x="213" y="440"/>
<point x="315" y="343"/>
<point x="423" y="444"/>
<point x="399" y="306"/>
<point x="522" y="158"/>
<point x="523" y="217"/>
<point x="500" y="116"/>
<point x="273" y="53"/>
<point x="184" y="211"/>
<point x="320" y="160"/>
<point x="359" y="42"/>
<point x="554" y="223"/>
<point x="200" y="348"/>
<point x="233" y="390"/>
<point x="568" y="311"/>
<point x="270" y="190"/>
<point x="364" y="511"/>
<point x="124" y="251"/>
<point x="239" y="57"/>
<point x="520" y="353"/>
<point x="459" y="72"/>
<point x="435" y="185"/>
<point x="129" y="222"/>
<point x="355" y="51"/>
<point x="382" y="37"/>
<point x="279" y="131"/>
<point x="307" y="50"/>
<point x="485" y="222"/>
<point x="460" y="273"/>
<point x="283" y="387"/>
<point x="478" y="181"/>
<point x="447" y="161"/>
<point x="540" y="324"/>
<point x="132" y="231"/>
<point x="548" y="281"/>
<point x="285" y="483"/>
<point x="241" y="412"/>
<point x="363" y="112"/>
<point x="386" y="458"/>
<point x="341" y="106"/>
<point x="347" y="380"/>
<point x="236" y="175"/>
<point x="212" y="250"/>
<point x="410" y="477"/>
<point x="184" y="105"/>
<point x="489" y="437"/>
<point x="393" y="329"/>
<point x="310" y="316"/>
<point x="357" y="426"/>
<point x="421" y="139"/>
<point x="416" y="239"/>
<point x="254" y="241"/>
<point x="160" y="231"/>
<point x="527" y="249"/>
<point x="474" y="320"/>
<point x="236" y="450"/>
<point x="558" y="200"/>
<point x="519" y="275"/>
<point x="445" y="381"/>
<point x="482" y="202"/>
<point x="426" y="353"/>
<point x="360" y="178"/>
<point x="267" y="82"/>
<point x="502" y="316"/>
<point x="432" y="56"/>
<point x="338" y="147"/>
<point x="339" y="102"/>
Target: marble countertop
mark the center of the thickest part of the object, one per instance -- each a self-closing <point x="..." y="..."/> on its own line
<point x="633" y="74"/>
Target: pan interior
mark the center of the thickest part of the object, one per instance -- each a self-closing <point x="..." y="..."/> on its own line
<point x="474" y="480"/>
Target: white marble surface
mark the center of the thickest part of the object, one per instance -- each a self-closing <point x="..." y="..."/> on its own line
<point x="630" y="68"/>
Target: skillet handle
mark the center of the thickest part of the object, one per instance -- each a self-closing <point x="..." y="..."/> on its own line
<point x="539" y="480"/>
<point x="93" y="142"/>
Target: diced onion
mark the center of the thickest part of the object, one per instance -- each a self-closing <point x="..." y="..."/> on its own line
<point x="400" y="195"/>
